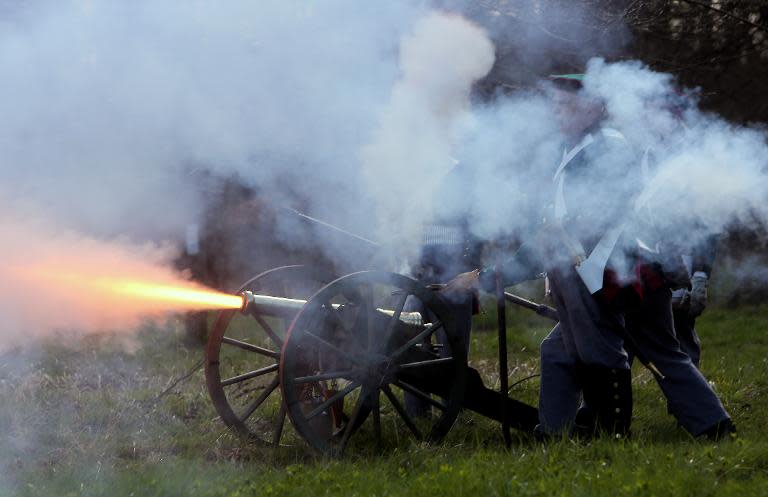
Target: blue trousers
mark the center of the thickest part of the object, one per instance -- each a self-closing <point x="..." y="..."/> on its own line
<point x="689" y="397"/>
<point x="589" y="334"/>
<point x="685" y="330"/>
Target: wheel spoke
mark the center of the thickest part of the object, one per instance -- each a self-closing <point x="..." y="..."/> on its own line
<point x="250" y="347"/>
<point x="418" y="393"/>
<point x="331" y="347"/>
<point x="325" y="376"/>
<point x="279" y="426"/>
<point x="333" y="398"/>
<point x="248" y="376"/>
<point x="368" y="310"/>
<point x="421" y="364"/>
<point x="402" y="412"/>
<point x="417" y="339"/>
<point x="352" y="421"/>
<point x="268" y="330"/>
<point x="376" y="406"/>
<point x="260" y="399"/>
<point x="399" y="305"/>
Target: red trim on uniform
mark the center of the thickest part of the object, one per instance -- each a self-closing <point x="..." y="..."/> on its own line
<point x="647" y="277"/>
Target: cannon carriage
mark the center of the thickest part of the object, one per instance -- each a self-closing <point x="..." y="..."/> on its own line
<point x="337" y="357"/>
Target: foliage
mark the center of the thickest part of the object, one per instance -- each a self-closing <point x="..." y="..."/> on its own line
<point x="718" y="46"/>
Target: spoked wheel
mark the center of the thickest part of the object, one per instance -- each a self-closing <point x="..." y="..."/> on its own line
<point x="353" y="354"/>
<point x="243" y="354"/>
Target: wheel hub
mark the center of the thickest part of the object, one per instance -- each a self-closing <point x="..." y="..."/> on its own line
<point x="378" y="371"/>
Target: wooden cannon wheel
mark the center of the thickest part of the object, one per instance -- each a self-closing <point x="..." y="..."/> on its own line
<point x="347" y="365"/>
<point x="243" y="353"/>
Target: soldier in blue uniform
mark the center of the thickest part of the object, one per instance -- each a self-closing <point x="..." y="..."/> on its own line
<point x="581" y="250"/>
<point x="584" y="355"/>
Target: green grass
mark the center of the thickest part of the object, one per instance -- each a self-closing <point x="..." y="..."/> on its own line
<point x="81" y="417"/>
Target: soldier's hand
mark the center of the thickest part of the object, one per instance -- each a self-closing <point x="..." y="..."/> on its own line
<point x="698" y="293"/>
<point x="463" y="282"/>
<point x="681" y="300"/>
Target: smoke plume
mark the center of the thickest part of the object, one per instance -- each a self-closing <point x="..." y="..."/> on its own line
<point x="421" y="126"/>
<point x="671" y="174"/>
<point x="116" y="115"/>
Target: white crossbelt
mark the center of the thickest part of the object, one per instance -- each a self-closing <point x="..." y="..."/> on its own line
<point x="592" y="268"/>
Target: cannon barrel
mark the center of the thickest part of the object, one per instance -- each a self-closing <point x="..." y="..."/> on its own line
<point x="285" y="307"/>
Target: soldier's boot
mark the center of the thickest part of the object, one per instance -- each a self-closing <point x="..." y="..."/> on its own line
<point x="724" y="429"/>
<point x="585" y="424"/>
<point x="540" y="435"/>
<point x="608" y="400"/>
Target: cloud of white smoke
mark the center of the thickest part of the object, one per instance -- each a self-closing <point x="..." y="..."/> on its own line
<point x="114" y="114"/>
<point x="421" y="127"/>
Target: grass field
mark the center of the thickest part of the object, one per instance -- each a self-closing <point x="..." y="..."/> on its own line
<point x="83" y="417"/>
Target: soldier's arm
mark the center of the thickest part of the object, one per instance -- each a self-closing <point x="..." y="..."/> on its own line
<point x="524" y="265"/>
<point x="703" y="255"/>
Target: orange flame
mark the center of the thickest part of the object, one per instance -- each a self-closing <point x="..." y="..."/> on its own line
<point x="180" y="296"/>
<point x="152" y="295"/>
<point x="54" y="280"/>
<point x="174" y="297"/>
<point x="82" y="300"/>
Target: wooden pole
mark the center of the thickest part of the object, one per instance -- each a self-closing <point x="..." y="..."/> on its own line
<point x="501" y="307"/>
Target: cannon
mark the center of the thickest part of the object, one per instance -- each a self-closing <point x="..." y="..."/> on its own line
<point x="337" y="357"/>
